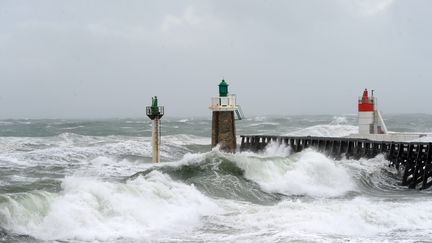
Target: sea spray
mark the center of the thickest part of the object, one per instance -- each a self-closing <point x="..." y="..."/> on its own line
<point x="217" y="175"/>
<point x="90" y="166"/>
<point x="90" y="209"/>
<point x="330" y="130"/>
<point x="306" y="173"/>
<point x="359" y="219"/>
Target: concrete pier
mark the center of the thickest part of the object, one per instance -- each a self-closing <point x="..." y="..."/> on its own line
<point x="414" y="159"/>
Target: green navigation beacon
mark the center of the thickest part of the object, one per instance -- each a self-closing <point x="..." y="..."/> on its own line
<point x="223" y="89"/>
<point x="155" y="113"/>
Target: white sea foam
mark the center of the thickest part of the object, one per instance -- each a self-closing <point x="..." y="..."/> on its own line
<point x="68" y="147"/>
<point x="72" y="128"/>
<point x="90" y="209"/>
<point x="184" y="139"/>
<point x="77" y="149"/>
<point x="103" y="166"/>
<point x="326" y="131"/>
<point x="277" y="149"/>
<point x="427" y="139"/>
<point x="11" y="144"/>
<point x="154" y="207"/>
<point x="137" y="122"/>
<point x="359" y="219"/>
<point x="263" y="124"/>
<point x="258" y="118"/>
<point x="339" y="120"/>
<point x="338" y="127"/>
<point x="306" y="173"/>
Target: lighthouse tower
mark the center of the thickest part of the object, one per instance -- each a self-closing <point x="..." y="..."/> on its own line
<point x="370" y="120"/>
<point x="223" y="120"/>
<point x="155" y="113"/>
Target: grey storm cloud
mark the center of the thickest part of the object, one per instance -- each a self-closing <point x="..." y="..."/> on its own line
<point x="78" y="59"/>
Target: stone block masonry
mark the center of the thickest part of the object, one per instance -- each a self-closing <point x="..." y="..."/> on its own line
<point x="223" y="130"/>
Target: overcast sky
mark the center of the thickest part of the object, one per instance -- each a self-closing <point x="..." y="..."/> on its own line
<point x="91" y="59"/>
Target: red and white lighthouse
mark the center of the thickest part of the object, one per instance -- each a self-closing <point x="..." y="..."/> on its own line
<point x="370" y="120"/>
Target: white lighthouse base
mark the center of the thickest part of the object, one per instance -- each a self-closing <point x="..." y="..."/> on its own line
<point x="156" y="140"/>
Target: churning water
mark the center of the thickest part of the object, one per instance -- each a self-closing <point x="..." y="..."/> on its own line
<point x="92" y="180"/>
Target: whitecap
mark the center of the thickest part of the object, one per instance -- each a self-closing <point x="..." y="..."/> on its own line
<point x="326" y="131"/>
<point x="89" y="209"/>
<point x="305" y="173"/>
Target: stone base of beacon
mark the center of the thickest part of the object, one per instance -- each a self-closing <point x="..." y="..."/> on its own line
<point x="223" y="130"/>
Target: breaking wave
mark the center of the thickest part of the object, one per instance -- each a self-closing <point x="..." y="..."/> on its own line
<point x="71" y="187"/>
<point x="306" y="173"/>
<point x="90" y="209"/>
<point x="174" y="197"/>
<point x="338" y="127"/>
<point x="326" y="131"/>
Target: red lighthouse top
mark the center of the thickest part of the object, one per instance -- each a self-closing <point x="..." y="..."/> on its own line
<point x="366" y="103"/>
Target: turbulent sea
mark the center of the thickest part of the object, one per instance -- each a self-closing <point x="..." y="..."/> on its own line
<point x="93" y="181"/>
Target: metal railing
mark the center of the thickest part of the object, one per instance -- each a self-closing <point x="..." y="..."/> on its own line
<point x="154" y="111"/>
<point x="224" y="103"/>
